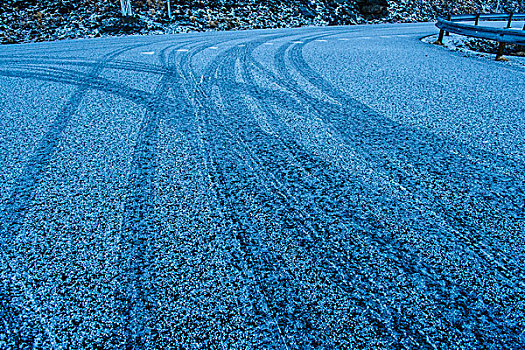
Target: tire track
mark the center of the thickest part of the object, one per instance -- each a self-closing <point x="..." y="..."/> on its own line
<point x="446" y="162"/>
<point x="63" y="76"/>
<point x="16" y="207"/>
<point x="332" y="112"/>
<point x="408" y="268"/>
<point x="18" y="201"/>
<point x="140" y="223"/>
<point x="268" y="159"/>
<point x="263" y="161"/>
<point x="139" y="67"/>
<point x="234" y="200"/>
<point x="423" y="227"/>
<point x="361" y="126"/>
<point x="221" y="168"/>
<point x="328" y="111"/>
<point x="139" y="220"/>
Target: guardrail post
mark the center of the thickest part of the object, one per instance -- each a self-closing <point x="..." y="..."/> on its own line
<point x="125" y="7"/>
<point x="510" y="20"/>
<point x="499" y="55"/>
<point x="439" y="40"/>
<point x="449" y="17"/>
<point x="477" y="19"/>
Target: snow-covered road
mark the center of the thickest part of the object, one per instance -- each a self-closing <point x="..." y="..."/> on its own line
<point x="314" y="188"/>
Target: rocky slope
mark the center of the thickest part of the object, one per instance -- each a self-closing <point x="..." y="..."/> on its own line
<point x="42" y="20"/>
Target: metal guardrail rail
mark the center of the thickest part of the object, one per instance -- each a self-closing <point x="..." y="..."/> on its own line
<point x="502" y="36"/>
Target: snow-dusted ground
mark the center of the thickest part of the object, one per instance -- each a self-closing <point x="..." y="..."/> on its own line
<point x="318" y="188"/>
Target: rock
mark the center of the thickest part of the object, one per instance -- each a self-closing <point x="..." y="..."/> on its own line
<point x="65" y="7"/>
<point x="306" y="12"/>
<point x="9" y="40"/>
<point x="110" y="25"/>
<point x="124" y="25"/>
<point x="372" y="7"/>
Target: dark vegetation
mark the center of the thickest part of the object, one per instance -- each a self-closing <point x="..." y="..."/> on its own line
<point x="43" y="20"/>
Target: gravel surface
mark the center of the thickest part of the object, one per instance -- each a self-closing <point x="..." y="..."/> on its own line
<point x="313" y="188"/>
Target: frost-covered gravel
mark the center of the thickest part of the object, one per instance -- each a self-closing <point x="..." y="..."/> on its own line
<point x="317" y="188"/>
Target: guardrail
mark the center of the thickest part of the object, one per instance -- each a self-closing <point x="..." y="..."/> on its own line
<point x="502" y="36"/>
